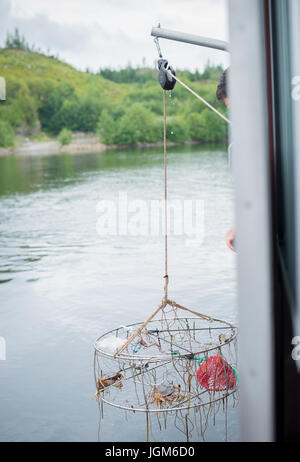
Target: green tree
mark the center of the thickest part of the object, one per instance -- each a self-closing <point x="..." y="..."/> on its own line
<point x="16" y="41"/>
<point x="52" y="121"/>
<point x="7" y="135"/>
<point x="207" y="127"/>
<point x="143" y="123"/>
<point x="107" y="128"/>
<point x="65" y="136"/>
<point x="196" y="127"/>
<point x="177" y="129"/>
<point x="136" y="124"/>
<point x="27" y="106"/>
<point x="127" y="132"/>
<point x="88" y="114"/>
<point x="20" y="107"/>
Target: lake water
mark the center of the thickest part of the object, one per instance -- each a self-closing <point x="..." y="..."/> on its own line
<point x="62" y="284"/>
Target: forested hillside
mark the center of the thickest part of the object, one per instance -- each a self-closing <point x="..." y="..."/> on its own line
<point x="47" y="95"/>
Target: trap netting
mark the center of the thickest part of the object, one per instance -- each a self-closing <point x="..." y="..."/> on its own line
<point x="171" y="366"/>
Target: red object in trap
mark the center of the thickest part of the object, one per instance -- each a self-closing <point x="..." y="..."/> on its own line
<point x="215" y="374"/>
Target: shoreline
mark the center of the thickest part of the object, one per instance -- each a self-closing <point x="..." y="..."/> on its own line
<point x="81" y="144"/>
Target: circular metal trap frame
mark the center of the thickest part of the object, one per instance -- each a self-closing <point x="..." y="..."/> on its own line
<point x="157" y="372"/>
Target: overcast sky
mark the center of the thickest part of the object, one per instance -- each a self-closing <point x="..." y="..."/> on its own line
<point x="100" y="33"/>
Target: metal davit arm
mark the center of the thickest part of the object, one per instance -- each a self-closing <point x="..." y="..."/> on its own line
<point x="189" y="38"/>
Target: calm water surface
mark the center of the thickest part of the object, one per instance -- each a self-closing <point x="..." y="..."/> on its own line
<point x="62" y="285"/>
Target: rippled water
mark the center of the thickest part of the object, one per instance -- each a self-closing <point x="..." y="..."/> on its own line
<point x="62" y="285"/>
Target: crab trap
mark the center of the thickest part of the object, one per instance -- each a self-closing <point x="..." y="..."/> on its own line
<point x="178" y="368"/>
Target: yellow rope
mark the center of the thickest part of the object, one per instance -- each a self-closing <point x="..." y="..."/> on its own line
<point x="165" y="300"/>
<point x="199" y="97"/>
<point x="166" y="198"/>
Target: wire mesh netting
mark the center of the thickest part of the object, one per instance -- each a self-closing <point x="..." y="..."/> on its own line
<point x="179" y="366"/>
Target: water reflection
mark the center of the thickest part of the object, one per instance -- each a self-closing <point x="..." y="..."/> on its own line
<point x="21" y="175"/>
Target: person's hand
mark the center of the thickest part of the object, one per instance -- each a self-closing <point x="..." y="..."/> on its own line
<point x="230" y="239"/>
